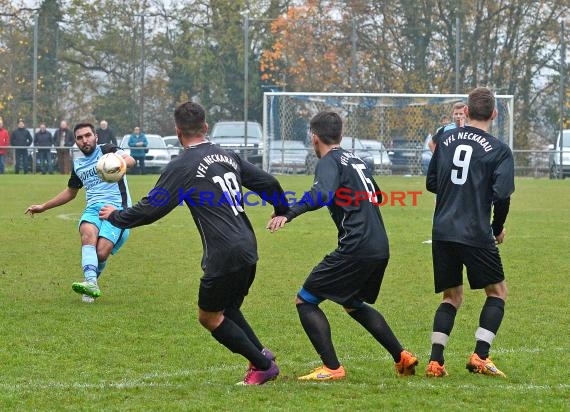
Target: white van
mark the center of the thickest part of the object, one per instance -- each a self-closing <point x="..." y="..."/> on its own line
<point x="560" y="156"/>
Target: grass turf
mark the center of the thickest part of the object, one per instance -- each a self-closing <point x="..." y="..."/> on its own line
<point x="139" y="347"/>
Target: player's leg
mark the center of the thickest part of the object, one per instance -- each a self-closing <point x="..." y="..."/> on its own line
<point x="89" y="234"/>
<point x="89" y="230"/>
<point x="317" y="328"/>
<point x="485" y="270"/>
<point x="215" y="294"/>
<point x="111" y="239"/>
<point x="233" y="311"/>
<point x="448" y="278"/>
<point x="372" y="320"/>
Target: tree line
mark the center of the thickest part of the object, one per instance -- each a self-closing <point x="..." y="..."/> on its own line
<point x="131" y="62"/>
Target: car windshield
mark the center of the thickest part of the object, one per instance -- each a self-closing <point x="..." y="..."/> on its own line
<point x="172" y="141"/>
<point x="346" y="143"/>
<point x="154" y="142"/>
<point x="235" y="130"/>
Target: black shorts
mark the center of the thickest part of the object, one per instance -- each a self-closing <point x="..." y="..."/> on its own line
<point x="343" y="279"/>
<point x="220" y="292"/>
<point x="484" y="266"/>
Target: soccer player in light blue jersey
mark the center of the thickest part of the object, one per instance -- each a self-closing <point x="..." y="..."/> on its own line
<point x="99" y="238"/>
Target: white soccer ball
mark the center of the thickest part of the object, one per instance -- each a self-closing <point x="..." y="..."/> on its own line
<point x="111" y="167"/>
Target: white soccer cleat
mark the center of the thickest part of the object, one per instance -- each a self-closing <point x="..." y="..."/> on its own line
<point x="87" y="299"/>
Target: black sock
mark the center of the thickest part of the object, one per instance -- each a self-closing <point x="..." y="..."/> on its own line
<point x="442" y="324"/>
<point x="374" y="322"/>
<point x="235" y="339"/>
<point x="238" y="318"/>
<point x="318" y="330"/>
<point x="489" y="323"/>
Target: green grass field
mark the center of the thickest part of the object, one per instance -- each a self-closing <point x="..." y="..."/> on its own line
<point x="140" y="347"/>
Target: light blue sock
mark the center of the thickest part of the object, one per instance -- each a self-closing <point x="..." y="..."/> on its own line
<point x="89" y="263"/>
<point x="101" y="268"/>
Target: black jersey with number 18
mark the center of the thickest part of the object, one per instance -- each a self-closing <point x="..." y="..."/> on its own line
<point x="470" y="170"/>
<point x="209" y="181"/>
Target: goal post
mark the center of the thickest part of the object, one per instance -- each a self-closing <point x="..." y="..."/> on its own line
<point x="382" y="117"/>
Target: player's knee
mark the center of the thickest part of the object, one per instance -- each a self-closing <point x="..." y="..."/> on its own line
<point x="210" y="320"/>
<point x="353" y="305"/>
<point x="498" y="290"/>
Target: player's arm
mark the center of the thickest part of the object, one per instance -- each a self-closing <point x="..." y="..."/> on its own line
<point x="431" y="177"/>
<point x="162" y="199"/>
<point x="503" y="187"/>
<point x="110" y="147"/>
<point x="500" y="212"/>
<point x="265" y="185"/>
<point x="324" y="187"/>
<point x="129" y="160"/>
<point x="67" y="195"/>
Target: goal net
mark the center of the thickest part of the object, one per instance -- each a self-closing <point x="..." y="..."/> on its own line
<point x="380" y="125"/>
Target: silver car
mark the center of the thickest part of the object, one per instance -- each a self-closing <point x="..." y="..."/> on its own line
<point x="158" y="155"/>
<point x="382" y="161"/>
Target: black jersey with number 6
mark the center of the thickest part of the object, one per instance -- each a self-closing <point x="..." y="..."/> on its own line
<point x="344" y="184"/>
<point x="469" y="171"/>
<point x="209" y="181"/>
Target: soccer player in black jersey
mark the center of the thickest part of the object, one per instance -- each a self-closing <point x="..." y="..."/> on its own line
<point x="471" y="172"/>
<point x="210" y="180"/>
<point x="353" y="272"/>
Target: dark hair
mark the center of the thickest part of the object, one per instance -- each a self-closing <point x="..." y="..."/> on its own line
<point x="190" y="118"/>
<point x="82" y="125"/>
<point x="327" y="125"/>
<point x="481" y="103"/>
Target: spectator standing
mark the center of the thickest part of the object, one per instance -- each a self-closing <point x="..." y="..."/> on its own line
<point x="4" y="141"/>
<point x="43" y="141"/>
<point x="105" y="134"/>
<point x="63" y="139"/>
<point x="139" y="143"/>
<point x="21" y="137"/>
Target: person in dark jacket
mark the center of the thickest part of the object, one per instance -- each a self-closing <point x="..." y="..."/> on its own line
<point x="105" y="134"/>
<point x="21" y="137"/>
<point x="63" y="139"/>
<point x="43" y="140"/>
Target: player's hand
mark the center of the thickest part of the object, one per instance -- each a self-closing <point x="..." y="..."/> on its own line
<point x="276" y="223"/>
<point x="500" y="237"/>
<point x="33" y="209"/>
<point x="106" y="211"/>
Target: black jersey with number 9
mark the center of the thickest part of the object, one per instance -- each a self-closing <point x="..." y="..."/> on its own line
<point x="469" y="171"/>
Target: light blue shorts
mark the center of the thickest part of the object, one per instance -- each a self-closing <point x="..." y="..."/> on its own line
<point x="106" y="229"/>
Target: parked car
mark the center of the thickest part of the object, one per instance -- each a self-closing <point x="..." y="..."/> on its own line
<point x="230" y="135"/>
<point x="287" y="156"/>
<point x="173" y="145"/>
<point x="426" y="155"/>
<point x="158" y="155"/>
<point x="405" y="155"/>
<point x="556" y="168"/>
<point x="352" y="144"/>
<point x="382" y="162"/>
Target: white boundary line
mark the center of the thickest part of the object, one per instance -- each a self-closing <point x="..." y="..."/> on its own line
<point x="152" y="379"/>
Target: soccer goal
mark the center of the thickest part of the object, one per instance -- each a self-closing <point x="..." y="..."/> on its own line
<point x="389" y="130"/>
